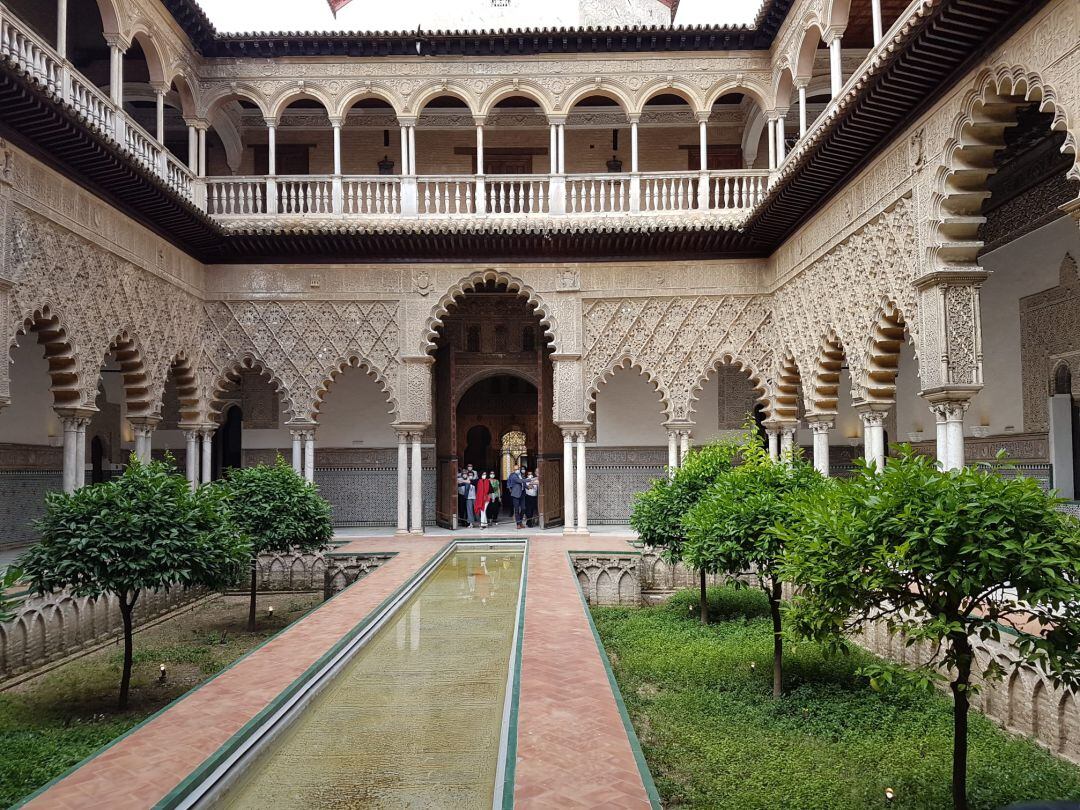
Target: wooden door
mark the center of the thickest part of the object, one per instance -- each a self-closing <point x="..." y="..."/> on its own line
<point x="446" y="461"/>
<point x="549" y="460"/>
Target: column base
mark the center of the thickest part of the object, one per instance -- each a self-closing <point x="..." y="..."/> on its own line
<point x="418" y="532"/>
<point x="400" y="532"/>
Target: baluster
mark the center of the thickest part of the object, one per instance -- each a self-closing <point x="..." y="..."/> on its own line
<point x="541" y="197"/>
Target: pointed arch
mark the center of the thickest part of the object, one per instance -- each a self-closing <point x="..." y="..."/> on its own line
<point x="479" y="279"/>
<point x="978" y="132"/>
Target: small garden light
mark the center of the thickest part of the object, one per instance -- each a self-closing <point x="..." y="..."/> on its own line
<point x="161" y="674"/>
<point x="753" y="666"/>
<point x="270" y="611"/>
<point x="890" y="794"/>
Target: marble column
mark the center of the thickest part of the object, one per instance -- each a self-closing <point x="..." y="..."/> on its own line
<point x="207" y="435"/>
<point x="875" y="14"/>
<point x="774" y="442"/>
<point x="941" y="434"/>
<point x="309" y="455"/>
<point x="672" y="452"/>
<point x="787" y="441"/>
<point x="143" y="428"/>
<point x="771" y="127"/>
<point x="80" y="452"/>
<point x="684" y="446"/>
<point x="71" y="438"/>
<point x="61" y="28"/>
<point x="835" y="66"/>
<point x="191" y="457"/>
<point x="582" y="502"/>
<point x="416" y="520"/>
<point x="821" y="430"/>
<point x="954" y="435"/>
<point x="403" y="483"/>
<point x="297" y="451"/>
<point x="874" y="438"/>
<point x="781" y="138"/>
<point x="802" y="109"/>
<point x="569" y="525"/>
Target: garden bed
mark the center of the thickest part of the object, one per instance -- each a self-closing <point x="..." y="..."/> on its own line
<point x="714" y="737"/>
<point x="51" y="722"/>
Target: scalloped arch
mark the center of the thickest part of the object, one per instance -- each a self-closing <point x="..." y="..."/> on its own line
<point x="470" y="283"/>
<point x="959" y="184"/>
<point x="60" y="351"/>
<point x="182" y="372"/>
<point x="625" y="362"/>
<point x="757" y="379"/>
<point x="231" y="373"/>
<point x="126" y="348"/>
<point x="342" y="364"/>
<point x="824" y="395"/>
<point x="886" y="335"/>
<point x="785" y="400"/>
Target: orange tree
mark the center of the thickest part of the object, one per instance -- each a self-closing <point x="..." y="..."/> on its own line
<point x="944" y="557"/>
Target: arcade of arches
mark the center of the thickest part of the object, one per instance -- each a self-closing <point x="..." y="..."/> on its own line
<point x="932" y="299"/>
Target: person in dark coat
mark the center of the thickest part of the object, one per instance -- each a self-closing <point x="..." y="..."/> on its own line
<point x="515" y="485"/>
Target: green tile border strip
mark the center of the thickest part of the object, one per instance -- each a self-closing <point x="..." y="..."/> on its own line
<point x="146" y="721"/>
<point x="510" y="762"/>
<point x="631" y="735"/>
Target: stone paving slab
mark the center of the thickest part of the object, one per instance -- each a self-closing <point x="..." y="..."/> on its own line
<point x="573" y="749"/>
<point x="144" y="766"/>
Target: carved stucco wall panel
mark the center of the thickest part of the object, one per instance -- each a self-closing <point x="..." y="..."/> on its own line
<point x="97" y="296"/>
<point x="675" y="342"/>
<point x="844" y="291"/>
<point x="301" y="345"/>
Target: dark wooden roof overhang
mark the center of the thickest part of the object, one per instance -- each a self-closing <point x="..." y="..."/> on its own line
<point x="208" y="42"/>
<point x="945" y="45"/>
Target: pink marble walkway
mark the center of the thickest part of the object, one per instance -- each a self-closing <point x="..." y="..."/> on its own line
<point x="572" y="747"/>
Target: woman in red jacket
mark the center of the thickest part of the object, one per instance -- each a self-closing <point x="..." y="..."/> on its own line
<point x="483" y="495"/>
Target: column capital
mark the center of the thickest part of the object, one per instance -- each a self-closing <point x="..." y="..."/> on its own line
<point x="117" y="41"/>
<point x="410" y="427"/>
<point x="819" y="426"/>
<point x="703" y="116"/>
<point x="781" y="112"/>
<point x="952" y="394"/>
<point x="872" y="418"/>
<point x="788" y="428"/>
<point x="949" y="411"/>
<point x="557" y="119"/>
<point x="335" y="120"/>
<point x="161" y="88"/>
<point x="833" y="33"/>
<point x="957" y="276"/>
<point x="76" y="416"/>
<point x="801" y="82"/>
<point x="634" y="118"/>
<point x="479" y="120"/>
<point x="197" y="123"/>
<point x="407" y="120"/>
<point x="150" y="421"/>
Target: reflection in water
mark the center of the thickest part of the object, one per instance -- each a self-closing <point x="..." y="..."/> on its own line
<point x="414" y="719"/>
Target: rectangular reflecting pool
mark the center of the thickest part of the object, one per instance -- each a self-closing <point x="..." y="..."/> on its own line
<point x="416" y="718"/>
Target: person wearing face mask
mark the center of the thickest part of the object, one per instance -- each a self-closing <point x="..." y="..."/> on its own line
<point x="495" y="499"/>
<point x="465" y="479"/>
<point x="470" y="501"/>
<point x="515" y="485"/>
<point x="483" y="496"/>
<point x="532" y="497"/>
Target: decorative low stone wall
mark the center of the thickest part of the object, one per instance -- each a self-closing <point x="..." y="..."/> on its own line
<point x="342" y="570"/>
<point x="49" y="628"/>
<point x="631" y="578"/>
<point x="1025" y="702"/>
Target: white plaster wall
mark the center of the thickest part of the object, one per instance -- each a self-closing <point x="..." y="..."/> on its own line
<point x="30" y="418"/>
<point x="913" y="414"/>
<point x="355" y="414"/>
<point x="1025" y="266"/>
<point x="629" y="412"/>
<point x="705" y="413"/>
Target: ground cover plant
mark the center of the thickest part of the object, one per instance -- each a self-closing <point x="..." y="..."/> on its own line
<point x="55" y="720"/>
<point x="714" y="737"/>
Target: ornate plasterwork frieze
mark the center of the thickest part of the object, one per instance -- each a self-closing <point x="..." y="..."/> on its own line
<point x="1049" y="326"/>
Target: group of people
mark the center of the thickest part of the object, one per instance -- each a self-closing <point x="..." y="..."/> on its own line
<point x="480" y="497"/>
